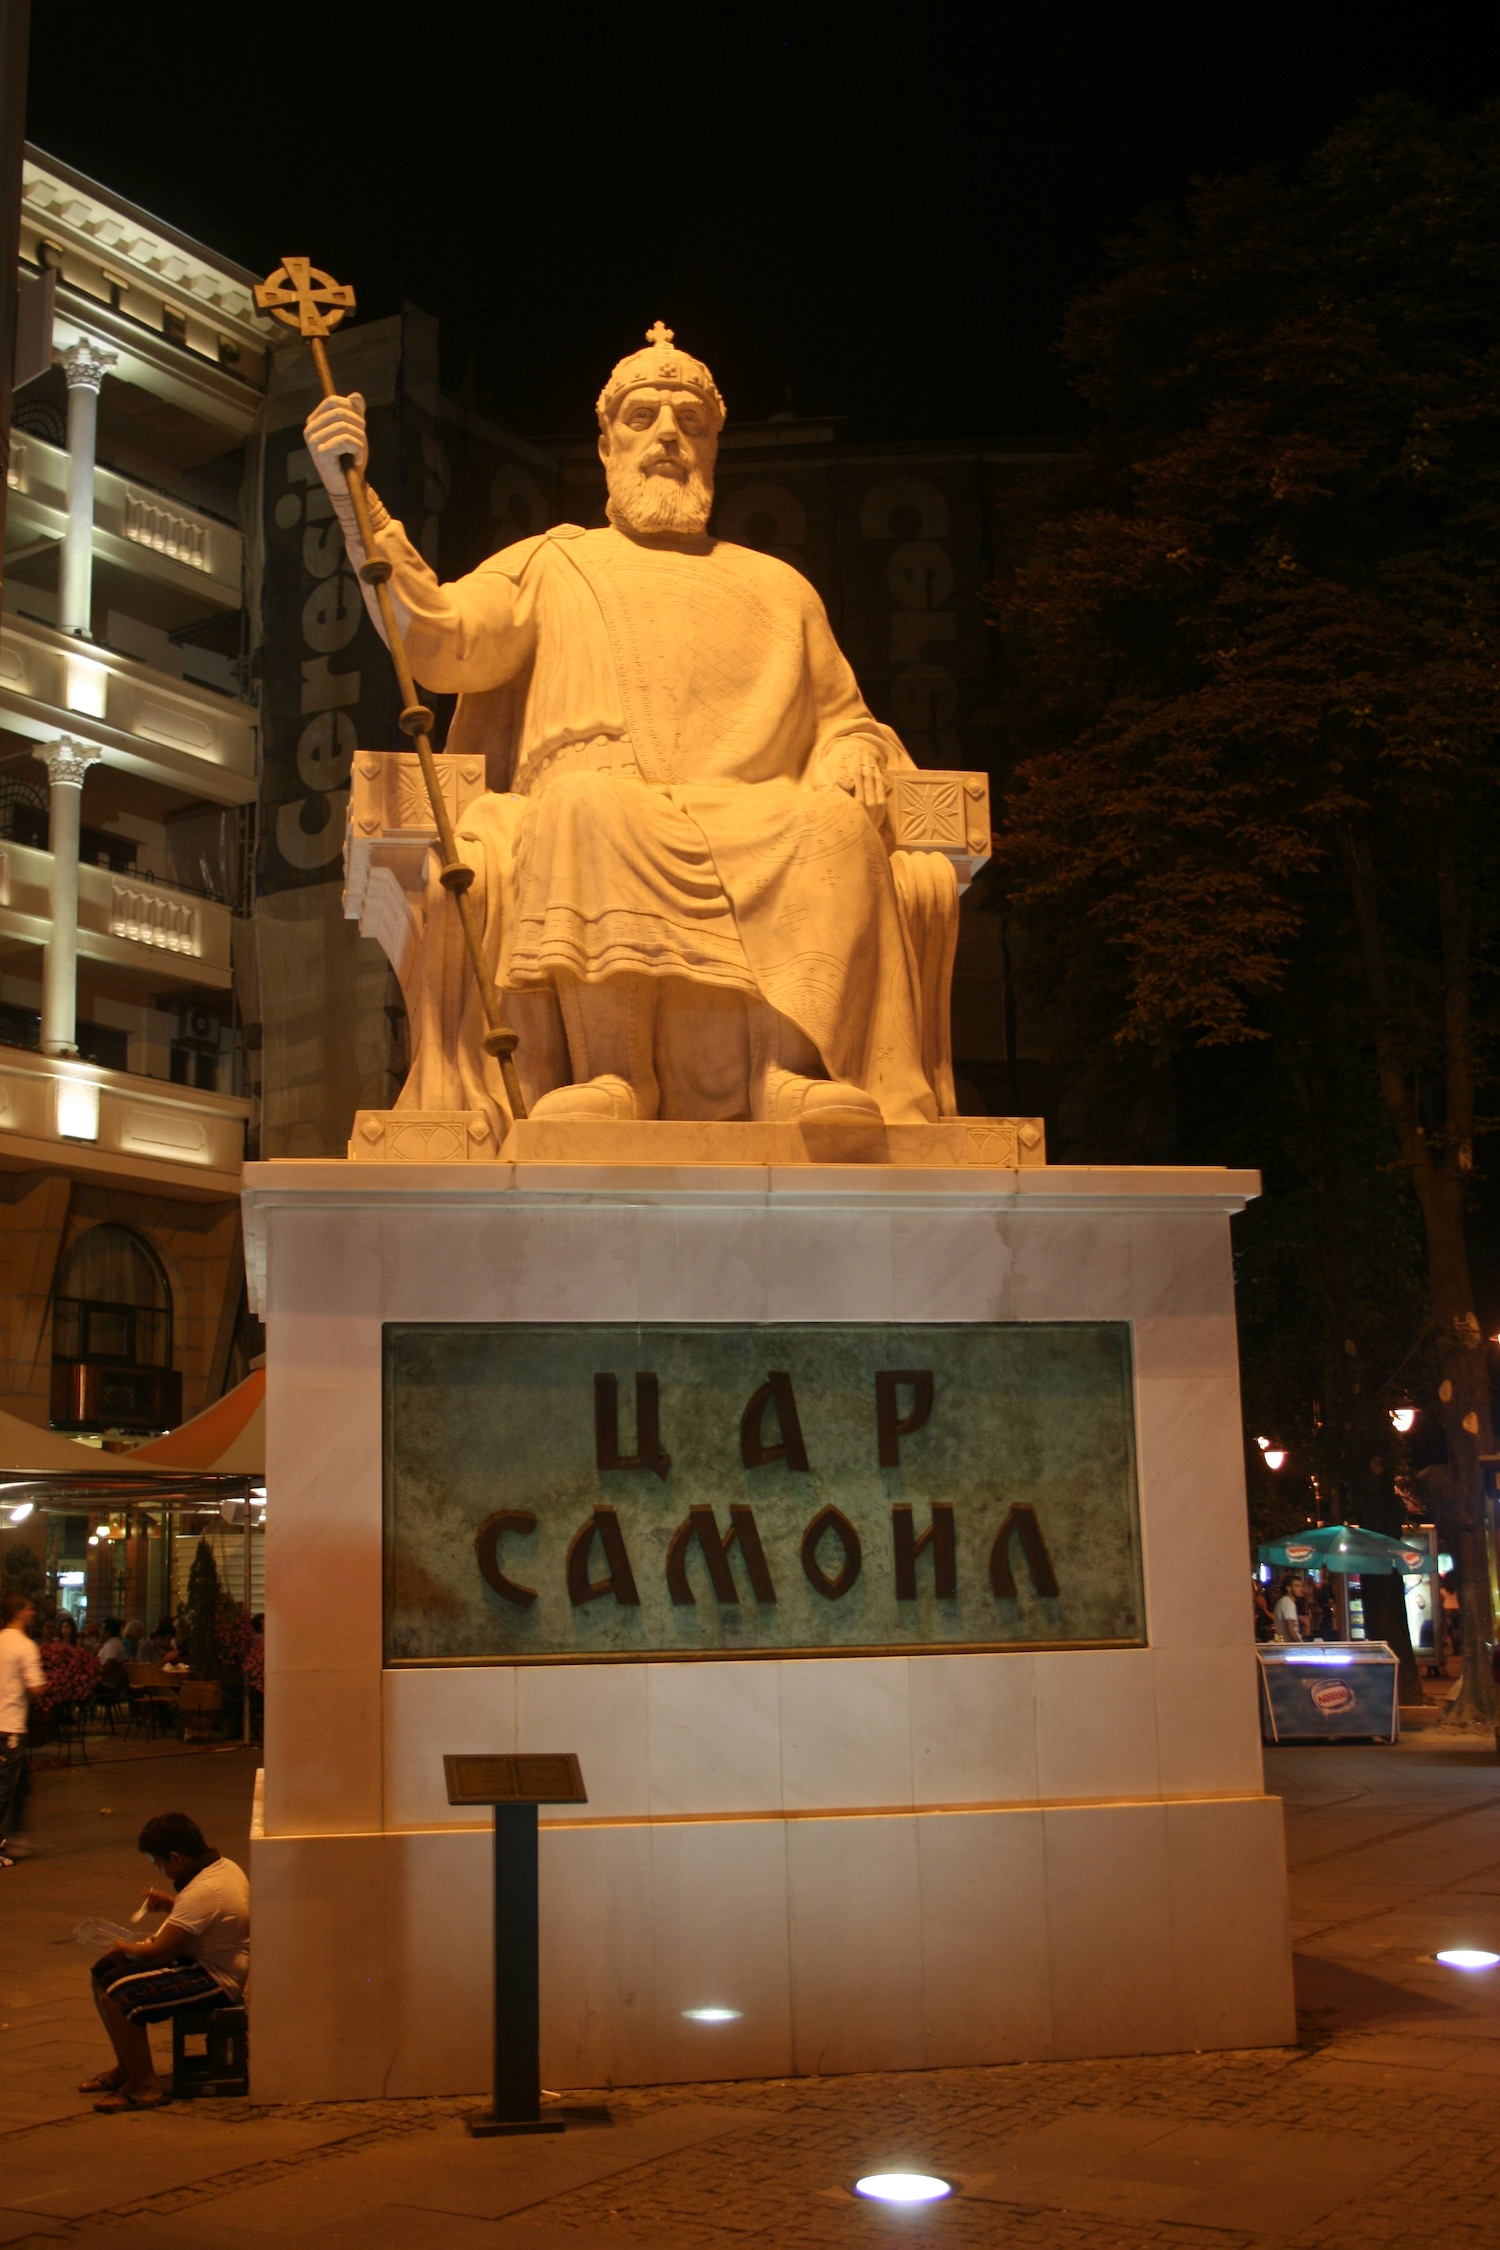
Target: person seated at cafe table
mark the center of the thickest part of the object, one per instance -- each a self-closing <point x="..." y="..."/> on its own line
<point x="167" y="1650"/>
<point x="199" y="1958"/>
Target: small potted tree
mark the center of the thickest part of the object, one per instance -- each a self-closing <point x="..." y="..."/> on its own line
<point x="202" y="1698"/>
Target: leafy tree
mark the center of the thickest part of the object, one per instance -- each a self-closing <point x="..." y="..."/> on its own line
<point x="1253" y="650"/>
<point x="1329" y="1279"/>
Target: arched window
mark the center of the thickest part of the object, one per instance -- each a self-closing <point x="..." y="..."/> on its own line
<point x="112" y="1335"/>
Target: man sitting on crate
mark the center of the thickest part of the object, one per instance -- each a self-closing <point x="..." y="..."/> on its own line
<point x="199" y="1958"/>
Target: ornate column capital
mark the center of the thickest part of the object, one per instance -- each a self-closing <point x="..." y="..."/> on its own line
<point x="85" y="364"/>
<point x="67" y="760"/>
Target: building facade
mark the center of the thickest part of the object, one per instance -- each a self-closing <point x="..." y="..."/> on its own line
<point x="129" y="764"/>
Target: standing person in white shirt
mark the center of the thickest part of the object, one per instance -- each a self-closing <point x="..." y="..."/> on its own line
<point x="199" y="1958"/>
<point x="1288" y="1617"/>
<point x="21" y="1677"/>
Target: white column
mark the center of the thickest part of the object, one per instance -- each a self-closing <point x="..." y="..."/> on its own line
<point x="67" y="761"/>
<point x="85" y="365"/>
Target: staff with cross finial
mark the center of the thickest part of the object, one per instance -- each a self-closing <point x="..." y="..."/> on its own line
<point x="302" y="296"/>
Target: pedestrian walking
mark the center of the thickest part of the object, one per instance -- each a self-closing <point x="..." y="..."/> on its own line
<point x="21" y="1677"/>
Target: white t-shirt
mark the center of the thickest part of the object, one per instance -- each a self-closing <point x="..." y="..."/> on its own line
<point x="112" y="1651"/>
<point x="21" y="1676"/>
<point x="1288" y="1624"/>
<point x="211" y="1922"/>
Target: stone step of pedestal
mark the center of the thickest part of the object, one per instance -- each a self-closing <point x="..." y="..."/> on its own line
<point x="1004" y="1144"/>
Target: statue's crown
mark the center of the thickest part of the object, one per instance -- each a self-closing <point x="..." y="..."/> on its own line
<point x="660" y="362"/>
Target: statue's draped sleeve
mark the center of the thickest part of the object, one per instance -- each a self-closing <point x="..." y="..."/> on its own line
<point x="466" y="633"/>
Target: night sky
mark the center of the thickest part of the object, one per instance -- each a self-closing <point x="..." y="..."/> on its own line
<point x="881" y="217"/>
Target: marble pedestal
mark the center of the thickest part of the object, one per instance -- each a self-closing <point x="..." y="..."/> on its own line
<point x="879" y="1862"/>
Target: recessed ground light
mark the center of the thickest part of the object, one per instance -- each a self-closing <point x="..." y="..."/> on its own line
<point x="712" y="2015"/>
<point x="903" y="2187"/>
<point x="1467" y="1957"/>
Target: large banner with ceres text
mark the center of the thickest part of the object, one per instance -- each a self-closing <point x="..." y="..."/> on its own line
<point x="623" y="1492"/>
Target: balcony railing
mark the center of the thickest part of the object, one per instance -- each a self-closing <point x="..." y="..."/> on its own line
<point x="119" y="1127"/>
<point x="91" y="1395"/>
<point x="144" y="915"/>
<point x="146" y="721"/>
<point x="122" y="919"/>
<point x="134" y="525"/>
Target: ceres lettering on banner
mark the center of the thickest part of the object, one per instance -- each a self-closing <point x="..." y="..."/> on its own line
<point x="325" y="750"/>
<point x="310" y="830"/>
<point x="920" y="574"/>
<point x="332" y="612"/>
<point x="904" y="508"/>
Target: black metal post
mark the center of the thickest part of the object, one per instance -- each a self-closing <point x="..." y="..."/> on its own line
<point x="517" y="2105"/>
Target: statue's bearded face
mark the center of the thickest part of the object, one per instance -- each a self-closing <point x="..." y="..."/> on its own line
<point x="658" y="454"/>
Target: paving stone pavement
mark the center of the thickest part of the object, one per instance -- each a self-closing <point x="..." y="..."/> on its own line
<point x="1381" y="2128"/>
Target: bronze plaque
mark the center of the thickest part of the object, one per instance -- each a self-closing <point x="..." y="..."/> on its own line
<point x="530" y="1778"/>
<point x="611" y="1492"/>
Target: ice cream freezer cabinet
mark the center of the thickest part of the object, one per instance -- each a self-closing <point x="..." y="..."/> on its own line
<point x="1328" y="1691"/>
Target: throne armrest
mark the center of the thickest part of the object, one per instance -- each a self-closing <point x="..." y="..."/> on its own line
<point x="390" y="821"/>
<point x="947" y="812"/>
<point x="390" y="832"/>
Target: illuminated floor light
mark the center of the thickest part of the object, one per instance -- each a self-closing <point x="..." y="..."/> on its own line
<point x="1467" y="1957"/>
<point x="712" y="2015"/>
<point x="903" y="2187"/>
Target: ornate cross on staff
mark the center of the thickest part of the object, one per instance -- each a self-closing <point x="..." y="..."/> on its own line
<point x="302" y="296"/>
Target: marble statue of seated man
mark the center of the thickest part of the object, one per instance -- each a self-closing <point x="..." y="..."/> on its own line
<point x="689" y="896"/>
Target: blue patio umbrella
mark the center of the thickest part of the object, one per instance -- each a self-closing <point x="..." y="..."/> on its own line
<point x="1346" y="1548"/>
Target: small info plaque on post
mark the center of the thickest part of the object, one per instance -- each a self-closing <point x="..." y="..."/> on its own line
<point x="607" y="1492"/>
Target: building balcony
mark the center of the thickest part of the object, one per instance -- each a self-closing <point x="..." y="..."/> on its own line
<point x="94" y="1395"/>
<point x="135" y="527"/>
<point x="125" y="920"/>
<point x="166" y="730"/>
<point x="112" y="1127"/>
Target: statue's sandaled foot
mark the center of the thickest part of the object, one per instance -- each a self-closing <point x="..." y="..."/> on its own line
<point x="790" y="1100"/>
<point x="592" y="1100"/>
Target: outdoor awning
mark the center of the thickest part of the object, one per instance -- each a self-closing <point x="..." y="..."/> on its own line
<point x="27" y="1451"/>
<point x="226" y="1439"/>
<point x="218" y="1454"/>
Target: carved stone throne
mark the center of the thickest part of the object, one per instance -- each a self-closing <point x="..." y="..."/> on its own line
<point x="938" y="828"/>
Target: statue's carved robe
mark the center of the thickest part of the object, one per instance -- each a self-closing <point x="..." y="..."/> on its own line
<point x="654" y="716"/>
